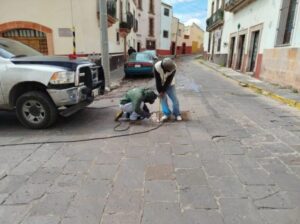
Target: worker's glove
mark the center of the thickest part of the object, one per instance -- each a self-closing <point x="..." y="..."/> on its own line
<point x="147" y="115"/>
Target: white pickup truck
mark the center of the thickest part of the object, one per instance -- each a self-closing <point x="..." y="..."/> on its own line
<point x="39" y="88"/>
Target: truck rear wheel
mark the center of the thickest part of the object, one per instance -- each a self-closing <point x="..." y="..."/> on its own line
<point x="36" y="110"/>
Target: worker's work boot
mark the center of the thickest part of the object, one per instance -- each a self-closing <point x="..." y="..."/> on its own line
<point x="118" y="115"/>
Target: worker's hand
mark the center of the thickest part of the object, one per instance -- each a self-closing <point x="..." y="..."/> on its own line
<point x="147" y="115"/>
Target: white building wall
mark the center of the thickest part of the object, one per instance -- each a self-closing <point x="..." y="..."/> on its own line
<point x="265" y="12"/>
<point x="143" y="17"/>
<point x="296" y="33"/>
<point x="57" y="14"/>
<point x="166" y="25"/>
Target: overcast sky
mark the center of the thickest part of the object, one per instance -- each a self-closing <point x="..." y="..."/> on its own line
<point x="189" y="11"/>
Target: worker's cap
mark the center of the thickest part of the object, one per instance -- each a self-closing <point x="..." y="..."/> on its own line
<point x="168" y="65"/>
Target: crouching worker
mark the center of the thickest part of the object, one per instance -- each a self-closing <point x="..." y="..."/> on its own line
<point x="134" y="104"/>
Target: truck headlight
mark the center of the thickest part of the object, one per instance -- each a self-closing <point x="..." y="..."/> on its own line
<point x="63" y="77"/>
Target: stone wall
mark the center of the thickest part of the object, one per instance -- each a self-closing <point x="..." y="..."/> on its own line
<point x="282" y="66"/>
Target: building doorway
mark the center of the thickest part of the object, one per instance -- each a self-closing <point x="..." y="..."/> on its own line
<point x="173" y="48"/>
<point x="183" y="48"/>
<point x="150" y="45"/>
<point x="138" y="46"/>
<point x="253" y="50"/>
<point x="231" y="52"/>
<point x="241" y="47"/>
<point x="33" y="38"/>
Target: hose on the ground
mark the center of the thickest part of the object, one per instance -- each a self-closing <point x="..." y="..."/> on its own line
<point x="89" y="139"/>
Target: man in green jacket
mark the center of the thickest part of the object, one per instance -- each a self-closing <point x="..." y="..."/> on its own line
<point x="134" y="103"/>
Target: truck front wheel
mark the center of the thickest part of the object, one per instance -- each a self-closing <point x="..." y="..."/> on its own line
<point x="36" y="110"/>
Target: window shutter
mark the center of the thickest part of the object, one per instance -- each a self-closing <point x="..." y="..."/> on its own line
<point x="282" y="22"/>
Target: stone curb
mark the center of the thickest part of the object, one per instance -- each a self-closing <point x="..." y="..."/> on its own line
<point x="259" y="90"/>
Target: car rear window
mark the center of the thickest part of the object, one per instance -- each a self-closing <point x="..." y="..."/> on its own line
<point x="139" y="57"/>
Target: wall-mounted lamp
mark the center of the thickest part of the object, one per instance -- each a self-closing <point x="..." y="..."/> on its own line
<point x="225" y="44"/>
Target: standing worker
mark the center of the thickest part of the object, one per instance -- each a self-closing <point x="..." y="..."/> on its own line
<point x="164" y="72"/>
<point x="134" y="104"/>
<point x="131" y="50"/>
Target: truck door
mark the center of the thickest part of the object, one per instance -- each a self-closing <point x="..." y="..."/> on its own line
<point x="3" y="67"/>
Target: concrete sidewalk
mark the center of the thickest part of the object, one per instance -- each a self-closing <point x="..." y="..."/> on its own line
<point x="276" y="92"/>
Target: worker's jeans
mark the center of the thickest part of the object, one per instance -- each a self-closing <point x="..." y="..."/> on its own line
<point x="127" y="108"/>
<point x="171" y="93"/>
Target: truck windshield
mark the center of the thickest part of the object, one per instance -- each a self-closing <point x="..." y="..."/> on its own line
<point x="13" y="49"/>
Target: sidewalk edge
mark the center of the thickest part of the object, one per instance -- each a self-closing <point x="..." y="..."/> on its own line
<point x="256" y="89"/>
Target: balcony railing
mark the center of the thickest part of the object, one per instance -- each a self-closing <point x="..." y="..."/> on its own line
<point x="125" y="26"/>
<point x="216" y="20"/>
<point x="236" y="5"/>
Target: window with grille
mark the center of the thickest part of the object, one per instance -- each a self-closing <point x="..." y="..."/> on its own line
<point x="118" y="37"/>
<point x="166" y="34"/>
<point x="166" y="12"/>
<point x="151" y="27"/>
<point x="140" y="5"/>
<point x="286" y="22"/>
<point x="151" y="7"/>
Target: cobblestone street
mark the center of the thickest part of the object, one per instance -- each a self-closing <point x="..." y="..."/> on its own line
<point x="235" y="160"/>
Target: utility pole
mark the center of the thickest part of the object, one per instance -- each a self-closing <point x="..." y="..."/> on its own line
<point x="176" y="39"/>
<point x="104" y="41"/>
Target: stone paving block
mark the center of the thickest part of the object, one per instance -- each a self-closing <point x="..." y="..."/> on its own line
<point x="44" y="176"/>
<point x="258" y="152"/>
<point x="3" y="197"/>
<point x="178" y="149"/>
<point x="197" y="197"/>
<point x="13" y="156"/>
<point x="77" y="167"/>
<point x="109" y="158"/>
<point x="278" y="148"/>
<point x="290" y="160"/>
<point x="54" y="204"/>
<point x="162" y="213"/>
<point x="160" y="172"/>
<point x="27" y="167"/>
<point x="102" y="171"/>
<point x="125" y="201"/>
<point x="261" y="192"/>
<point x="273" y="165"/>
<point x="277" y="200"/>
<point x="230" y="147"/>
<point x="239" y="211"/>
<point x="159" y="156"/>
<point x="202" y="216"/>
<point x="11" y="183"/>
<point x="86" y="210"/>
<point x="227" y="187"/>
<point x="287" y="182"/>
<point x="131" y="174"/>
<point x="42" y="220"/>
<point x="190" y="177"/>
<point x="67" y="183"/>
<point x="242" y="161"/>
<point x="13" y="213"/>
<point x="27" y="194"/>
<point x="136" y="152"/>
<point x="58" y="160"/>
<point x="121" y="218"/>
<point x="280" y="216"/>
<point x="161" y="191"/>
<point x="92" y="188"/>
<point x="86" y="153"/>
<point x="249" y="176"/>
<point x="217" y="169"/>
<point x="188" y="161"/>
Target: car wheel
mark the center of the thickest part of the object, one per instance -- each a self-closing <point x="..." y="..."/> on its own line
<point x="127" y="76"/>
<point x="36" y="110"/>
